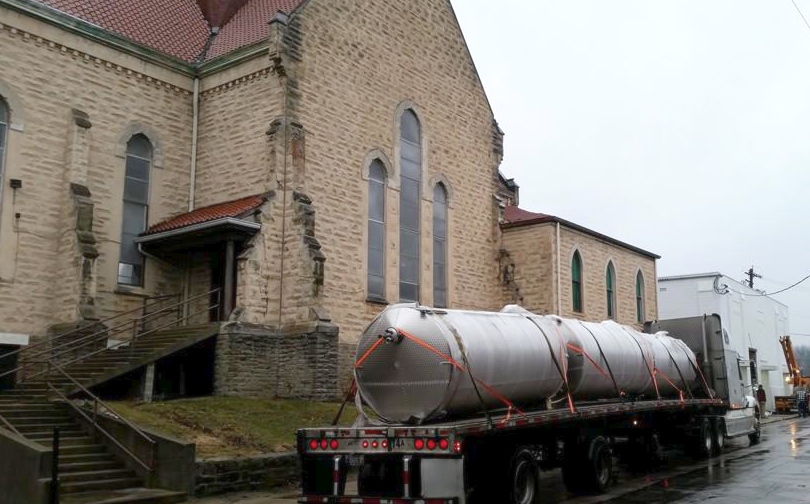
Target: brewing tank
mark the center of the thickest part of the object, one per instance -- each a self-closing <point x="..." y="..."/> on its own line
<point x="427" y="373"/>
<point x="416" y="364"/>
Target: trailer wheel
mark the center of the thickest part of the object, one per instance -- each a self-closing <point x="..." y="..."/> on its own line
<point x="524" y="475"/>
<point x="588" y="466"/>
<point x="718" y="436"/>
<point x="700" y="445"/>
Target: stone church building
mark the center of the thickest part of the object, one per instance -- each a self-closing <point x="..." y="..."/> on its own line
<point x="288" y="167"/>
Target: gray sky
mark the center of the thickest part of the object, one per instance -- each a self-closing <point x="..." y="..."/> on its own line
<point x="679" y="126"/>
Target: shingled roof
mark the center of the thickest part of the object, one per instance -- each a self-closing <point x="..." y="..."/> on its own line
<point x="514" y="217"/>
<point x="180" y="28"/>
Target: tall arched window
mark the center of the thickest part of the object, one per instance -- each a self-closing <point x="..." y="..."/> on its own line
<point x="410" y="149"/>
<point x="3" y="134"/>
<point x="640" y="297"/>
<point x="376" y="230"/>
<point x="610" y="290"/>
<point x="576" y="282"/>
<point x="136" y="205"/>
<point x="440" y="246"/>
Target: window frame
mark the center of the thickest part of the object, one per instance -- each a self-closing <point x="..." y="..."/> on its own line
<point x="577" y="299"/>
<point x="138" y="276"/>
<point x="376" y="181"/>
<point x="5" y="123"/>
<point x="610" y="290"/>
<point x="410" y="199"/>
<point x="440" y="290"/>
<point x="640" y="292"/>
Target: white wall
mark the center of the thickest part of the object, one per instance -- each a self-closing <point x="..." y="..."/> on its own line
<point x="753" y="321"/>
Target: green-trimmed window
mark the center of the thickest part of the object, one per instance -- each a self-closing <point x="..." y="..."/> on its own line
<point x="376" y="231"/>
<point x="640" y="297"/>
<point x="410" y="148"/>
<point x="439" y="246"/>
<point x="610" y="290"/>
<point x="576" y="282"/>
<point x="136" y="206"/>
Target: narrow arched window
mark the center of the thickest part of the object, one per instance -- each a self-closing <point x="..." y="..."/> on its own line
<point x="440" y="246"/>
<point x="610" y="290"/>
<point x="410" y="149"/>
<point x="640" y="297"/>
<point x="376" y="231"/>
<point x="136" y="205"/>
<point x="576" y="282"/>
<point x="3" y="134"/>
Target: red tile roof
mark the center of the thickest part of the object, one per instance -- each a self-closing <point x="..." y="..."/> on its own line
<point x="235" y="208"/>
<point x="180" y="28"/>
<point x="249" y="25"/>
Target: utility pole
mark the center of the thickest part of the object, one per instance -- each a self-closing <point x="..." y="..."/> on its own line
<point x="751" y="276"/>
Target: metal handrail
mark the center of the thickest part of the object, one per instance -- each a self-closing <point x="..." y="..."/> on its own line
<point x="96" y="401"/>
<point x="107" y="332"/>
<point x="11" y="427"/>
<point x="122" y="343"/>
<point x="68" y="333"/>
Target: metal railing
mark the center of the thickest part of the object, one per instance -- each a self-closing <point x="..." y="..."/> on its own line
<point x="9" y="426"/>
<point x="148" y="465"/>
<point x="134" y="327"/>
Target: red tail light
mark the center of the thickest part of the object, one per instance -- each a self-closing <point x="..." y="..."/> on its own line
<point x="431" y="444"/>
<point x="365" y="443"/>
<point x="384" y="444"/>
<point x="444" y="443"/>
<point x="334" y="444"/>
<point x="324" y="444"/>
<point x="457" y="446"/>
<point x="313" y="444"/>
<point x="419" y="444"/>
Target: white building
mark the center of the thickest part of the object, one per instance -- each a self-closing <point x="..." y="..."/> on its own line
<point x="752" y="323"/>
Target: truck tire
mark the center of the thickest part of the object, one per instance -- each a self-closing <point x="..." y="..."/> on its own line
<point x="718" y="436"/>
<point x="699" y="445"/>
<point x="524" y="475"/>
<point x="588" y="466"/>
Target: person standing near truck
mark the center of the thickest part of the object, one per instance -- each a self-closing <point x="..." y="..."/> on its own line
<point x="801" y="401"/>
<point x="761" y="398"/>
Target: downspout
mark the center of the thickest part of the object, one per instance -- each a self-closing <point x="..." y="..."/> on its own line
<point x="559" y="276"/>
<point x="195" y="119"/>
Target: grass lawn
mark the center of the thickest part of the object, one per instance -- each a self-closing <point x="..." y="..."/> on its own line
<point x="233" y="426"/>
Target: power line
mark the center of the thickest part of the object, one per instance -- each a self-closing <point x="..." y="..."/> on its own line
<point x="800" y="13"/>
<point x="768" y="293"/>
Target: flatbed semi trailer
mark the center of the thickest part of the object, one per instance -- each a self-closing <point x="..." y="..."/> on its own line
<point x="496" y="456"/>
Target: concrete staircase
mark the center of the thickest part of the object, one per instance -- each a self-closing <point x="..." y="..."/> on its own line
<point x="88" y="471"/>
<point x="114" y="362"/>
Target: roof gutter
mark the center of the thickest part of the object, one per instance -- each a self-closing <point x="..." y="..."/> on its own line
<point x="202" y="226"/>
<point x="195" y="120"/>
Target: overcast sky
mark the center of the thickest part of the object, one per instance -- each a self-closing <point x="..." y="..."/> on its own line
<point x="678" y="126"/>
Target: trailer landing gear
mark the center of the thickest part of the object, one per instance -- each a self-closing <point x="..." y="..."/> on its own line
<point x="718" y="436"/>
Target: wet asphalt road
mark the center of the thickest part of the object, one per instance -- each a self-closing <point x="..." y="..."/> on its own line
<point x="777" y="470"/>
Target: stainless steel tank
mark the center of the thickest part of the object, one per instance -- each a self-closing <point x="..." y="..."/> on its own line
<point x="413" y="380"/>
<point x="615" y="354"/>
<point x="414" y="363"/>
